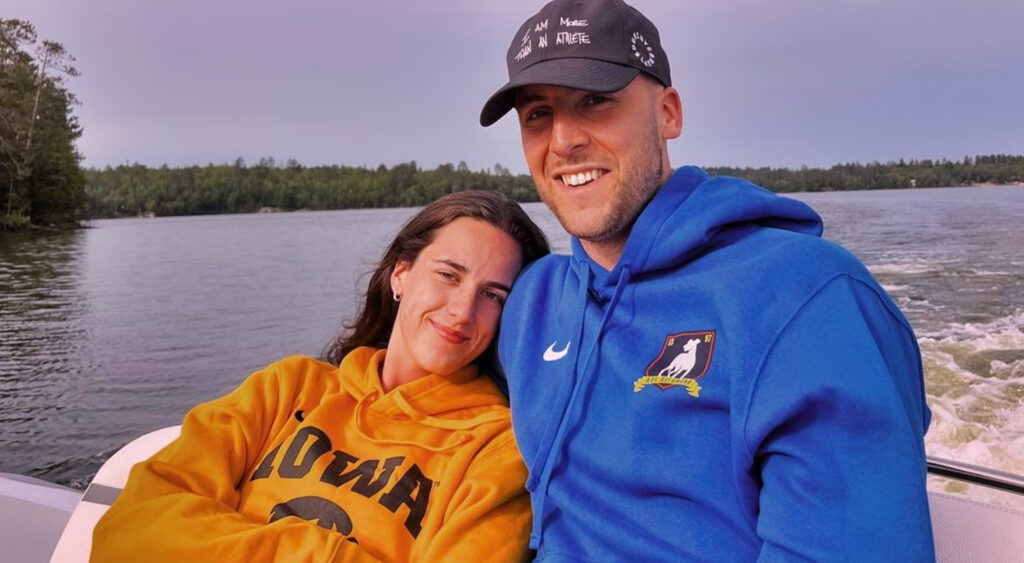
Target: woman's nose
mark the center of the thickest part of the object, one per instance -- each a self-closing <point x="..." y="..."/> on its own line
<point x="461" y="305"/>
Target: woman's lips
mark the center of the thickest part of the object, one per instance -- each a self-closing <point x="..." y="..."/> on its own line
<point x="451" y="335"/>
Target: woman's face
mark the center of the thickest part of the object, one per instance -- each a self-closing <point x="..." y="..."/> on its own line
<point x="451" y="299"/>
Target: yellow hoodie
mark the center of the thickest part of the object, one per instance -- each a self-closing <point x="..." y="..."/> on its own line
<point x="309" y="462"/>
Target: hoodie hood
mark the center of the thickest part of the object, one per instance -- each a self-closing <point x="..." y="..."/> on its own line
<point x="692" y="214"/>
<point x="459" y="401"/>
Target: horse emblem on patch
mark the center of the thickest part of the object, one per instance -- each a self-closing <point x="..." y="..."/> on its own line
<point x="684" y="358"/>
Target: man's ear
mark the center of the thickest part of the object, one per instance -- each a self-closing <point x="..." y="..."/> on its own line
<point x="670" y="113"/>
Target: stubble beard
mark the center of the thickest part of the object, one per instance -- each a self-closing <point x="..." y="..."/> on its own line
<point x="634" y="190"/>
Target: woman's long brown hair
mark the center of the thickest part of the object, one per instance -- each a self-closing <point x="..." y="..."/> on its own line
<point x="376" y="316"/>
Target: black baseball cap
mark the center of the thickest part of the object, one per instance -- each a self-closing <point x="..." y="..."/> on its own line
<point x="592" y="45"/>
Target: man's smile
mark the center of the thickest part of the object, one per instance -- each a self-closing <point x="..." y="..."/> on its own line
<point x="581" y="178"/>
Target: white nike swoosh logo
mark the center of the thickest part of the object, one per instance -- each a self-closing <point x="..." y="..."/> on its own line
<point x="551" y="355"/>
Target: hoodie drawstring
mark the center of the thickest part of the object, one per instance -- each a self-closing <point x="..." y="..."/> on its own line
<point x="413" y="414"/>
<point x="551" y="445"/>
<point x="540" y="471"/>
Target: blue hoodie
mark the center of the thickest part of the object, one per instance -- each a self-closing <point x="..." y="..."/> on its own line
<point x="735" y="388"/>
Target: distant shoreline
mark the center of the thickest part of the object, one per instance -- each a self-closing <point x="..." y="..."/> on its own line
<point x="993" y="185"/>
<point x="276" y="210"/>
<point x="138" y="190"/>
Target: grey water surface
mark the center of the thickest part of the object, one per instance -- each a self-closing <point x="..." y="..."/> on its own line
<point x="110" y="332"/>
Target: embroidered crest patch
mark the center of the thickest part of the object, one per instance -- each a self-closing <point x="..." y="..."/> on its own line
<point x="684" y="358"/>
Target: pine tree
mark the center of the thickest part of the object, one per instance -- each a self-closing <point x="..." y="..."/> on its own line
<point x="39" y="166"/>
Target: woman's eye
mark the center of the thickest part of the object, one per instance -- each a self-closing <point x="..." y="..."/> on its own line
<point x="496" y="297"/>
<point x="446" y="275"/>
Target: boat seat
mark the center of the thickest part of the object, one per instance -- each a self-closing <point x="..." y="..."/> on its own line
<point x="75" y="543"/>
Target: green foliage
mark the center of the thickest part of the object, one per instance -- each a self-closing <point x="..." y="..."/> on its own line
<point x="993" y="169"/>
<point x="40" y="177"/>
<point x="236" y="188"/>
<point x="14" y="222"/>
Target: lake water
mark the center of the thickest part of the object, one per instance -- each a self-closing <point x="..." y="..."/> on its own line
<point x="110" y="332"/>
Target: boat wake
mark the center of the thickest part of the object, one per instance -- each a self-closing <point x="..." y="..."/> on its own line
<point x="974" y="378"/>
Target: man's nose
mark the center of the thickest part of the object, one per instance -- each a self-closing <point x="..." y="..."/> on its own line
<point x="567" y="134"/>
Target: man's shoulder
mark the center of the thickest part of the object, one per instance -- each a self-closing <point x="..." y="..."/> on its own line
<point x="801" y="255"/>
<point x="791" y="267"/>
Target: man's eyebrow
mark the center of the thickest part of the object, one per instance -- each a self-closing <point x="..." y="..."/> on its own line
<point x="462" y="269"/>
<point x="528" y="99"/>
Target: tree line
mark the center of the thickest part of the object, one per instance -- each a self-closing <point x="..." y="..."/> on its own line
<point x="132" y="190"/>
<point x="40" y="177"/>
<point x="989" y="169"/>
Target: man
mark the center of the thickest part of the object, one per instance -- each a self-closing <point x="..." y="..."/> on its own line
<point x="704" y="378"/>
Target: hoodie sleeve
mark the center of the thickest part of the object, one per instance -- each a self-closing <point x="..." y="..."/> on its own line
<point x="488" y="518"/>
<point x="835" y="427"/>
<point x="181" y="504"/>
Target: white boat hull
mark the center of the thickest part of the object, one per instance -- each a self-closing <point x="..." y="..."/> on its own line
<point x="33" y="513"/>
<point x="47" y="522"/>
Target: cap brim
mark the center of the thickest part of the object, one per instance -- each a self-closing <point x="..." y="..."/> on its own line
<point x="580" y="74"/>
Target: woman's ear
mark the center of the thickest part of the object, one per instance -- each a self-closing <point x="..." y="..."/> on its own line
<point x="398" y="277"/>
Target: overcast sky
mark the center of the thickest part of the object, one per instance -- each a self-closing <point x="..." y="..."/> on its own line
<point x="777" y="83"/>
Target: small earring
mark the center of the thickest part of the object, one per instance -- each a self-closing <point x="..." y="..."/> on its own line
<point x="396" y="297"/>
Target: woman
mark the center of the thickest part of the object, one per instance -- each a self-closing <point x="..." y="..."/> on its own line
<point x="403" y="453"/>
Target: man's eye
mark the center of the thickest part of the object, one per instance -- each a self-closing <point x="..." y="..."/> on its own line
<point x="596" y="99"/>
<point x="446" y="275"/>
<point x="536" y="114"/>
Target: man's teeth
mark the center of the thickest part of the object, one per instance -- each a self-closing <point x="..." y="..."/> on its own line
<point x="582" y="177"/>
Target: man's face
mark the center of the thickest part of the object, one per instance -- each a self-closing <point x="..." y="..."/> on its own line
<point x="597" y="158"/>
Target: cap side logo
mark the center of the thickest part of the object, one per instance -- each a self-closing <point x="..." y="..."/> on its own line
<point x="684" y="358"/>
<point x="642" y="50"/>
